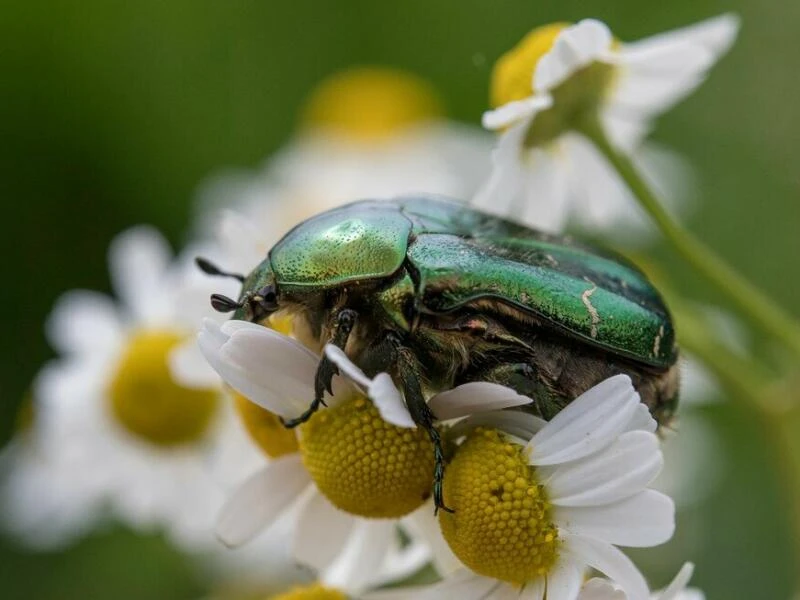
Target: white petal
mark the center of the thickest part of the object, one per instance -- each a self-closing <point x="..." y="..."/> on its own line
<point x="389" y="402"/>
<point x="274" y="371"/>
<point x="534" y="590"/>
<point x="564" y="582"/>
<point x="261" y="499"/>
<point x="381" y="390"/>
<point x="612" y="562"/>
<point x="518" y="110"/>
<point x="189" y="367"/>
<point x="514" y="422"/>
<point x="677" y="586"/>
<point x="504" y="186"/>
<point x="82" y="321"/>
<point x="463" y="585"/>
<point x="546" y="188"/>
<point x="589" y="423"/>
<point x="359" y="561"/>
<point x="403" y="561"/>
<point x="574" y="48"/>
<point x="139" y="259"/>
<point x="321" y="532"/>
<point x="600" y="589"/>
<point x="625" y="468"/>
<point x="661" y="70"/>
<point x="347" y="367"/>
<point x="643" y="520"/>
<point x="474" y="397"/>
<point x="424" y="526"/>
<point x="642" y="420"/>
<point x="716" y="35"/>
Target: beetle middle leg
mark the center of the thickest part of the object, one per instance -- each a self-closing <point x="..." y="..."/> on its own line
<point x="391" y="352"/>
<point x="522" y="377"/>
<point x="343" y="325"/>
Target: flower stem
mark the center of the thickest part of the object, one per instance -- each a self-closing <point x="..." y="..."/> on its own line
<point x="756" y="306"/>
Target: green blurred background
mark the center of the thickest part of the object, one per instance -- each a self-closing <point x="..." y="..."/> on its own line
<point x="113" y="112"/>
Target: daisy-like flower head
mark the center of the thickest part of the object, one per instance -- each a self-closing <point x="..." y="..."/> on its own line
<point x="368" y="132"/>
<point x="537" y="503"/>
<point x="561" y="77"/>
<point x="347" y="475"/>
<point x="357" y="465"/>
<point x="113" y="428"/>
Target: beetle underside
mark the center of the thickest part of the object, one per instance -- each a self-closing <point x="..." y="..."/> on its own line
<point x="476" y="343"/>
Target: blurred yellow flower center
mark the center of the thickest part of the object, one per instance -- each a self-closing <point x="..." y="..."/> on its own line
<point x="364" y="465"/>
<point x="576" y="98"/>
<point x="502" y="525"/>
<point x="26" y="415"/>
<point x="148" y="403"/>
<point x="512" y="76"/>
<point x="265" y="428"/>
<point x="370" y="103"/>
<point x="315" y="591"/>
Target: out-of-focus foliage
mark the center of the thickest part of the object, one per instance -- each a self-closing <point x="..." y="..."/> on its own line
<point x="113" y="112"/>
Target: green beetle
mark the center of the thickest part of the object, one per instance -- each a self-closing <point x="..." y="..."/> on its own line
<point x="438" y="294"/>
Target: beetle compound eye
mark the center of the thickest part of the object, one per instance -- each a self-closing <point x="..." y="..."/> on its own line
<point x="269" y="299"/>
<point x="223" y="304"/>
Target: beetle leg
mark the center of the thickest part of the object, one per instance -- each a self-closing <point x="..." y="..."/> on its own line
<point x="343" y="326"/>
<point x="406" y="365"/>
<point x="523" y="379"/>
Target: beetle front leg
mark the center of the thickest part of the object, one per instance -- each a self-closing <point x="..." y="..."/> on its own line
<point x="343" y="326"/>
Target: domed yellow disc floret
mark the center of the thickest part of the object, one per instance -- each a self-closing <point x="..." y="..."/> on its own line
<point x="315" y="591"/>
<point x="512" y="75"/>
<point x="364" y="465"/>
<point x="265" y="428"/>
<point x="148" y="402"/>
<point x="502" y="525"/>
<point x="369" y="103"/>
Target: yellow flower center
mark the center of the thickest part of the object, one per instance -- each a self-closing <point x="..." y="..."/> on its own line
<point x="364" y="465"/>
<point x="265" y="428"/>
<point x="576" y="98"/>
<point x="148" y="403"/>
<point x="371" y="103"/>
<point x="512" y="75"/>
<point x="315" y="591"/>
<point x="502" y="525"/>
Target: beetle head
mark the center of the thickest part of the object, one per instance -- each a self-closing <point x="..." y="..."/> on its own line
<point x="259" y="297"/>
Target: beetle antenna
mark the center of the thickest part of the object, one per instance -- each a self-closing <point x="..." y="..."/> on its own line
<point x="209" y="268"/>
<point x="224" y="304"/>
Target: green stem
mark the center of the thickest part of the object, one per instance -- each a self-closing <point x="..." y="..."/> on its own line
<point x="750" y="301"/>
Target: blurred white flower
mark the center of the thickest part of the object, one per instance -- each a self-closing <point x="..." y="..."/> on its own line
<point x="367" y="133"/>
<point x="114" y="436"/>
<point x="544" y="90"/>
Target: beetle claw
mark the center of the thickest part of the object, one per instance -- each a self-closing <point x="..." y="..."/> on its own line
<point x="313" y="407"/>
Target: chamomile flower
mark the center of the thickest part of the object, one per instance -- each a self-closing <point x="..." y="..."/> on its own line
<point x="562" y="77"/>
<point x="538" y="503"/>
<point x="356" y="467"/>
<point x="366" y="132"/>
<point x="114" y="435"/>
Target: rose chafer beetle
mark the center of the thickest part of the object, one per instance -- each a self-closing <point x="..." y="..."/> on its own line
<point x="438" y="294"/>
